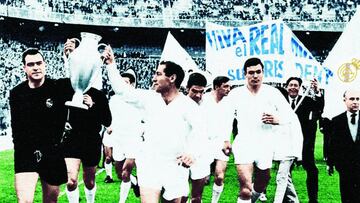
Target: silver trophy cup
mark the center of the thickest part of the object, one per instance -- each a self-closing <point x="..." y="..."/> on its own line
<point x="83" y="63"/>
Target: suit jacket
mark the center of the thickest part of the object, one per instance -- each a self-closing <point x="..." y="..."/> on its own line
<point x="308" y="112"/>
<point x="344" y="153"/>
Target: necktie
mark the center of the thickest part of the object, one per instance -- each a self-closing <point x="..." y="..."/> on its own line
<point x="293" y="104"/>
<point x="353" y="118"/>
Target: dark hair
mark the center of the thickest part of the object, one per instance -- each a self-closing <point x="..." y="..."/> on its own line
<point x="293" y="78"/>
<point x="31" y="51"/>
<point x="252" y="62"/>
<point x="172" y="68"/>
<point x="196" y="79"/>
<point x="130" y="76"/>
<point x="219" y="80"/>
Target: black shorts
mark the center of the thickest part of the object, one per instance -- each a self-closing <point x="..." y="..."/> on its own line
<point x="87" y="149"/>
<point x="51" y="166"/>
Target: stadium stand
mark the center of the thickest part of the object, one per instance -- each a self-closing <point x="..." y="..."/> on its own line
<point x="53" y="20"/>
<point x="327" y="15"/>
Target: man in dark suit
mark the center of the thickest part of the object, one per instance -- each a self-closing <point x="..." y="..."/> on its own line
<point x="344" y="148"/>
<point x="308" y="111"/>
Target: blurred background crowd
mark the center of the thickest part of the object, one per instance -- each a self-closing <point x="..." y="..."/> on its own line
<point x="137" y="30"/>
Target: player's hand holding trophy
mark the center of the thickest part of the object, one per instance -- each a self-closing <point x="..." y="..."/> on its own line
<point x="82" y="62"/>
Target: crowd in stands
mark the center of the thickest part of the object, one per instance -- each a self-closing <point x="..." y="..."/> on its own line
<point x="9" y="75"/>
<point x="143" y="61"/>
<point x="290" y="10"/>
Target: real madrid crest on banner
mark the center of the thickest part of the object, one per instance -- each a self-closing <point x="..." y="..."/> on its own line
<point x="348" y="71"/>
<point x="49" y="103"/>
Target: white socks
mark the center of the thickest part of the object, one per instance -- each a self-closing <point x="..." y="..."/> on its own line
<point x="217" y="190"/>
<point x="90" y="194"/>
<point x="133" y="179"/>
<point x="108" y="169"/>
<point x="125" y="188"/>
<point x="243" y="201"/>
<point x="124" y="191"/>
<point x="73" y="196"/>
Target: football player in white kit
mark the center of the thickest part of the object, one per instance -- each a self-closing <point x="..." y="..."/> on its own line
<point x="126" y="135"/>
<point x="260" y="109"/>
<point x="217" y="132"/>
<point x="171" y="124"/>
<point x="200" y="170"/>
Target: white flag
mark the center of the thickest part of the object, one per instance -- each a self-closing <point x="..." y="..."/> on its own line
<point x="344" y="63"/>
<point x="174" y="52"/>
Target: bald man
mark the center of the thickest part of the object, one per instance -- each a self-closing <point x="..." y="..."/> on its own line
<point x="344" y="148"/>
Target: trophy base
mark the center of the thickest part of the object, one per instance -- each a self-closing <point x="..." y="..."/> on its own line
<point x="76" y="105"/>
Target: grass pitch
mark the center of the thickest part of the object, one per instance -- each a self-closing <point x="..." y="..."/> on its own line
<point x="108" y="193"/>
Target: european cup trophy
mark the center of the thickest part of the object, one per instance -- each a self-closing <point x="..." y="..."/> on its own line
<point x="82" y="64"/>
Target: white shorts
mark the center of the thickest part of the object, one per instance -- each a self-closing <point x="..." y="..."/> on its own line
<point x="217" y="152"/>
<point x="248" y="150"/>
<point x="126" y="148"/>
<point x="169" y="175"/>
<point x="200" y="169"/>
<point x="108" y="140"/>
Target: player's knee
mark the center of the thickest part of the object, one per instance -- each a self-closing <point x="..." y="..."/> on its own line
<point x="107" y="159"/>
<point x="125" y="176"/>
<point x="25" y="199"/>
<point x="72" y="184"/>
<point x="89" y="184"/>
<point x="245" y="193"/>
<point x="219" y="178"/>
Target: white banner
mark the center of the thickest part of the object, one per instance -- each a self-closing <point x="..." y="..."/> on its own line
<point x="344" y="62"/>
<point x="283" y="55"/>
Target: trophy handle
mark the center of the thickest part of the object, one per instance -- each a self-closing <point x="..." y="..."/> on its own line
<point x="66" y="56"/>
<point x="102" y="44"/>
<point x="102" y="58"/>
<point x="67" y="53"/>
